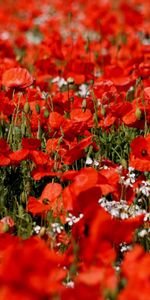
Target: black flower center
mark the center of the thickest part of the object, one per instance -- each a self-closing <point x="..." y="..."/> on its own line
<point x="144" y="152"/>
<point x="45" y="201"/>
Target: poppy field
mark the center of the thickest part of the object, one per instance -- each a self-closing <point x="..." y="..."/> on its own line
<point x="74" y="150"/>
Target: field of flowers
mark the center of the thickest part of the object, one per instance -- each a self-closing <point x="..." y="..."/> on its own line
<point x="74" y="150"/>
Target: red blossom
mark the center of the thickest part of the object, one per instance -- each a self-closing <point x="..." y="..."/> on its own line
<point x="135" y="268"/>
<point x="47" y="200"/>
<point x="17" y="77"/>
<point x="4" y="153"/>
<point x="34" y="278"/>
<point x="140" y="153"/>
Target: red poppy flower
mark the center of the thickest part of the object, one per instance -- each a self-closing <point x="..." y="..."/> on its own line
<point x="6" y="224"/>
<point x="69" y="175"/>
<point x="6" y="107"/>
<point x="138" y="114"/>
<point x="44" y="170"/>
<point x="140" y="146"/>
<point x="77" y="115"/>
<point x="104" y="226"/>
<point x="140" y="153"/>
<point x="147" y="93"/>
<point x="82" y="291"/>
<point x="105" y="276"/>
<point x="84" y="185"/>
<point x="4" y="153"/>
<point x="19" y="155"/>
<point x="79" y="67"/>
<point x="30" y="143"/>
<point x="136" y="269"/>
<point x="17" y="77"/>
<point x="39" y="157"/>
<point x="123" y="83"/>
<point x="46" y="201"/>
<point x="35" y="278"/>
<point x="77" y="151"/>
<point x="83" y="193"/>
<point x="56" y="144"/>
<point x="55" y="120"/>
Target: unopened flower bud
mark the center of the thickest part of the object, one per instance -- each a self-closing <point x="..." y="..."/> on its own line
<point x="23" y="197"/>
<point x="37" y="107"/>
<point x="124" y="163"/>
<point x="103" y="111"/>
<point x="5" y="228"/>
<point x="26" y="107"/>
<point x="84" y="104"/>
<point x="138" y="113"/>
<point x="42" y="231"/>
<point x="46" y="113"/>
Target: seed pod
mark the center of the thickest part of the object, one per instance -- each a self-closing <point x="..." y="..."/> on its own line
<point x="130" y="94"/>
<point x="124" y="163"/>
<point x="46" y="113"/>
<point x="37" y="107"/>
<point x="26" y="107"/>
<point x="103" y="111"/>
<point x="45" y="201"/>
<point x="23" y="197"/>
<point x="71" y="99"/>
<point x="42" y="231"/>
<point x="84" y="104"/>
<point x="5" y="228"/>
<point x="138" y="113"/>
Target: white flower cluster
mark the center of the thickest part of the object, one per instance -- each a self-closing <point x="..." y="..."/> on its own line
<point x="69" y="284"/>
<point x="120" y="209"/>
<point x="57" y="227"/>
<point x="147" y="217"/>
<point x="72" y="219"/>
<point x="124" y="247"/>
<point x="144" y="232"/>
<point x="90" y="162"/>
<point x="145" y="188"/>
<point x="117" y="268"/>
<point x="37" y="229"/>
<point x="130" y="178"/>
<point x="83" y="90"/>
<point x="60" y="81"/>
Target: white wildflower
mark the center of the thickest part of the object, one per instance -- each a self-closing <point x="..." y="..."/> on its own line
<point x="37" y="229"/>
<point x="142" y="233"/>
<point x="72" y="219"/>
<point x="89" y="161"/>
<point x="57" y="228"/>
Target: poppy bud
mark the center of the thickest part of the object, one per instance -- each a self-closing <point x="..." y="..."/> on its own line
<point x="103" y="111"/>
<point x="71" y="99"/>
<point x="23" y="197"/>
<point x="42" y="231"/>
<point x="46" y="113"/>
<point x="124" y="163"/>
<point x="84" y="105"/>
<point x="138" y="113"/>
<point x="86" y="48"/>
<point x="45" y="201"/>
<point x="130" y="94"/>
<point x="37" y="107"/>
<point x="5" y="228"/>
<point x="26" y="107"/>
